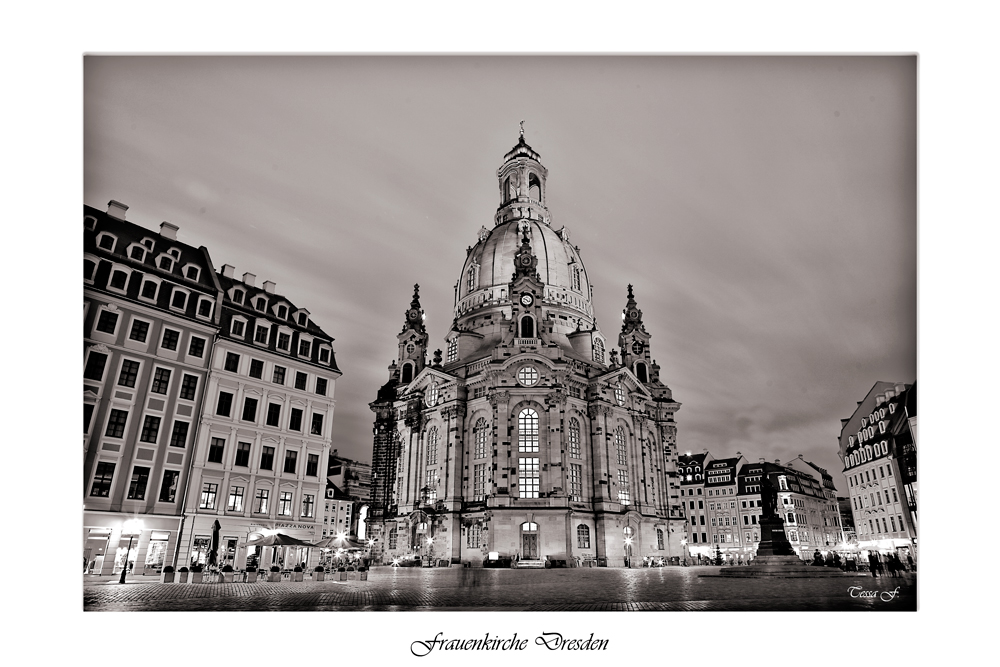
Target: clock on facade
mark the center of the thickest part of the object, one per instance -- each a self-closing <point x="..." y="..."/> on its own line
<point x="636" y="347"/>
<point x="527" y="299"/>
<point x="414" y="314"/>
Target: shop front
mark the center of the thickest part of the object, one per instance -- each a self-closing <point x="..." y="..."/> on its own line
<point x="236" y="532"/>
<point x="114" y="541"/>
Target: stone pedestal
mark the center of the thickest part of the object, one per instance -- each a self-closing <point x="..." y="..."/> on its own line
<point x="776" y="558"/>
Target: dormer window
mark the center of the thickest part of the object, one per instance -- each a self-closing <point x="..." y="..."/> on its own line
<point x="261" y="334"/>
<point x="238" y="296"/>
<point x="324" y="355"/>
<point x="118" y="280"/>
<point x="89" y="269"/>
<point x="261" y="303"/>
<point x="149" y="288"/>
<point x="137" y="252"/>
<point x="148" y="242"/>
<point x="204" y="307"/>
<point x="89" y="222"/>
<point x="178" y="299"/>
<point x="106" y="241"/>
<point x="191" y="272"/>
<point x="284" y="341"/>
<point x="305" y="347"/>
<point x="175" y="253"/>
<point x="238" y="327"/>
<point x="303" y="318"/>
<point x="166" y="263"/>
<point x="282" y="312"/>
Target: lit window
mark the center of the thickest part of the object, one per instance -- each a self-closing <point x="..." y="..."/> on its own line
<point x="599" y="350"/>
<point x="482" y="434"/>
<point x="208" y="493"/>
<point x="528" y="477"/>
<point x="101" y="487"/>
<point x="260" y="501"/>
<point x="620" y="446"/>
<point x="527" y="431"/>
<point x="527" y="376"/>
<point x="576" y="482"/>
<point x="285" y="503"/>
<point x="620" y="394"/>
<point x="452" y="350"/>
<point x="137" y="487"/>
<point x="582" y="537"/>
<point x="623" y="488"/>
<point x="235" y="503"/>
<point x="479" y="482"/>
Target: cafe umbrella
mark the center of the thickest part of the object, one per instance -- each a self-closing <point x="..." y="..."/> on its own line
<point x="278" y="540"/>
<point x="213" y="554"/>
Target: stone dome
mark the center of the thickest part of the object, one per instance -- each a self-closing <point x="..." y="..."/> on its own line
<point x="489" y="267"/>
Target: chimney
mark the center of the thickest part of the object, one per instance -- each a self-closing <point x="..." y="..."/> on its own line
<point x="889" y="394"/>
<point x="249" y="279"/>
<point x="900" y="387"/>
<point x="168" y="230"/>
<point x="762" y="459"/>
<point x="800" y="456"/>
<point x="880" y="399"/>
<point x="116" y="209"/>
<point x="228" y="270"/>
<point x="777" y="462"/>
<point x="269" y="286"/>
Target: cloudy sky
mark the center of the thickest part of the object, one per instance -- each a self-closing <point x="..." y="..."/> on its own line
<point x="764" y="208"/>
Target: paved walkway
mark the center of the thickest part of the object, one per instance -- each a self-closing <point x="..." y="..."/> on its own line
<point x="601" y="589"/>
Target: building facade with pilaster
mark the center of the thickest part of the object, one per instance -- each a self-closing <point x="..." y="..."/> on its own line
<point x="531" y="436"/>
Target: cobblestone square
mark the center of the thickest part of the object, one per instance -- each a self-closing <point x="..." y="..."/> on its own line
<point x="464" y="589"/>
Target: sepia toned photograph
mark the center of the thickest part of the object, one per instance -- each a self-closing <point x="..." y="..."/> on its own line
<point x="500" y="333"/>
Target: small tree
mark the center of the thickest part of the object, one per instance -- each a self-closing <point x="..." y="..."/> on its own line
<point x="718" y="555"/>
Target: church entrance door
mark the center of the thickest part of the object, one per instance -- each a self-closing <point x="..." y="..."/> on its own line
<point x="529" y="546"/>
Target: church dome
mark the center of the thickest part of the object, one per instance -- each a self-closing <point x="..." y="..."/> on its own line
<point x="489" y="267"/>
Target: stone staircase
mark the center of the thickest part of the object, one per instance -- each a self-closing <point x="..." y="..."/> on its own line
<point x="530" y="564"/>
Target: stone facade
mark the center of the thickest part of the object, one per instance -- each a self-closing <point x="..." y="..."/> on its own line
<point x="529" y="437"/>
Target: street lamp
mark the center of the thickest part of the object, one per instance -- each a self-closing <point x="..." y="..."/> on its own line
<point x="133" y="527"/>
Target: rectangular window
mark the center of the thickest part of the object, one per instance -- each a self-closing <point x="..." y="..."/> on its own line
<point x="178" y="437"/>
<point x="137" y="487"/>
<point x="197" y="347"/>
<point x="260" y="336"/>
<point x="116" y="424"/>
<point x="295" y="423"/>
<point x="150" y="429"/>
<point x="161" y="380"/>
<point x="308" y="504"/>
<point x="260" y="501"/>
<point x="225" y="404"/>
<point x="576" y="482"/>
<point x="285" y="503"/>
<point x="243" y="454"/>
<point x="324" y="356"/>
<point x="118" y="280"/>
<point x="479" y="482"/>
<point x="189" y="386"/>
<point x="149" y="289"/>
<point x="237" y="327"/>
<point x="178" y="300"/>
<point x="304" y="348"/>
<point x="208" y="493"/>
<point x="139" y="331"/>
<point x="170" y="338"/>
<point x="430" y="486"/>
<point x="474" y="536"/>
<point x="300" y="381"/>
<point x="88" y="413"/>
<point x="204" y="307"/>
<point x="284" y="340"/>
<point x="529" y="477"/>
<point x="267" y="458"/>
<point x="249" y="409"/>
<point x="278" y="377"/>
<point x="95" y="366"/>
<point x="256" y="368"/>
<point x="232" y="362"/>
<point x="235" y="503"/>
<point x="273" y="414"/>
<point x="317" y="425"/>
<point x="168" y="489"/>
<point x="312" y="465"/>
<point x="102" y="479"/>
<point x="130" y="370"/>
<point x="107" y="322"/>
<point x="291" y="458"/>
<point x="216" y="450"/>
<point x="881" y="472"/>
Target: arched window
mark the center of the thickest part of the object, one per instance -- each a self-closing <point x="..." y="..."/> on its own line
<point x="659" y="539"/>
<point x="573" y="436"/>
<point x="407" y="375"/>
<point x="534" y="187"/>
<point x="620" y="446"/>
<point x="474" y="536"/>
<point x="527" y="431"/>
<point x="527" y="327"/>
<point x="640" y="372"/>
<point x="576" y="278"/>
<point x="627" y="531"/>
<point x="582" y="537"/>
<point x="432" y="446"/>
<point x="481" y="433"/>
<point x="599" y="350"/>
<point x="392" y="538"/>
<point x="471" y="278"/>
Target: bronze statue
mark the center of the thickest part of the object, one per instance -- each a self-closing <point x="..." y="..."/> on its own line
<point x="769" y="496"/>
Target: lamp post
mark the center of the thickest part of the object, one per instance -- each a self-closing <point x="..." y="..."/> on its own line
<point x="133" y="527"/>
<point x="684" y="551"/>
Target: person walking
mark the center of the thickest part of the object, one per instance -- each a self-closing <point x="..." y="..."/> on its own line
<point x="909" y="561"/>
<point x="872" y="564"/>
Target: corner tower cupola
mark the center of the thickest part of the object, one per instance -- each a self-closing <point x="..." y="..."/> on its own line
<point x="522" y="185"/>
<point x="412" y="341"/>
<point x="634" y="341"/>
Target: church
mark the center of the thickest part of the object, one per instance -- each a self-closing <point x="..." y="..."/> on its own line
<point x="532" y="437"/>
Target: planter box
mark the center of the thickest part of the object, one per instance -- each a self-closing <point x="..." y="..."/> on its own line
<point x="274" y="576"/>
<point x="182" y="577"/>
<point x="364" y="575"/>
<point x="251" y="577"/>
<point x="343" y="576"/>
<point x="297" y="576"/>
<point x="227" y="577"/>
<point x="197" y="577"/>
<point x="167" y="577"/>
<point x="319" y="576"/>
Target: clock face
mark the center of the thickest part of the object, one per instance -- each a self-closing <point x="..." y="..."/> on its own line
<point x="527" y="299"/>
<point x="526" y="261"/>
<point x="414" y="314"/>
<point x="636" y="347"/>
<point x="633" y="313"/>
